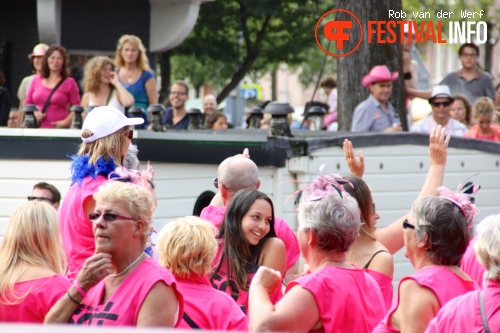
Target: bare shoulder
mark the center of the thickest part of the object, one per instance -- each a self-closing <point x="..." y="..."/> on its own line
<point x="273" y="254"/>
<point x="383" y="263"/>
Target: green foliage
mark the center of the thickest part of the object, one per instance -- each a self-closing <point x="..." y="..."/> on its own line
<point x="233" y="38"/>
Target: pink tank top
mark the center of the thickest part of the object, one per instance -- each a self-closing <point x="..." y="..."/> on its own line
<point x="215" y="214"/>
<point x="445" y="284"/>
<point x="471" y="266"/>
<point x="221" y="282"/>
<point x="349" y="300"/>
<point x="462" y="314"/>
<point x="385" y="284"/>
<point x="122" y="308"/>
<point x="76" y="229"/>
<point x="42" y="295"/>
<point x="209" y="309"/>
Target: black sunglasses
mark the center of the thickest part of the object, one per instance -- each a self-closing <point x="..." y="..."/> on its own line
<point x="31" y="198"/>
<point x="407" y="225"/>
<point x="108" y="217"/>
<point x="130" y="134"/>
<point x="438" y="104"/>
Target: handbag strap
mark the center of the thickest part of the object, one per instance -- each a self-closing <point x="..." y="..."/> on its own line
<point x="47" y="102"/>
<point x="483" y="313"/>
<point x="110" y="95"/>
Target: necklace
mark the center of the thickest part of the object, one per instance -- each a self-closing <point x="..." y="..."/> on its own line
<point x="130" y="79"/>
<point x="126" y="269"/>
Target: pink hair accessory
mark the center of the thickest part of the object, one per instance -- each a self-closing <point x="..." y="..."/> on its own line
<point x="462" y="200"/>
<point x="322" y="186"/>
<point x="136" y="177"/>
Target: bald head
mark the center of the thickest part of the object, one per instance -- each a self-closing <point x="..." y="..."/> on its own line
<point x="209" y="104"/>
<point x="238" y="173"/>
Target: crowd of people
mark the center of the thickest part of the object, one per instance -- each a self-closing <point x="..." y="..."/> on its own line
<point x="91" y="259"/>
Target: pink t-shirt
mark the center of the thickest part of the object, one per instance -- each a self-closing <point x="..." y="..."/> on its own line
<point x="444" y="283"/>
<point x="471" y="266"/>
<point x="385" y="284"/>
<point x="122" y="308"/>
<point x="221" y="282"/>
<point x="76" y="229"/>
<point x="349" y="300"/>
<point x="66" y="95"/>
<point x="209" y="309"/>
<point x="463" y="315"/>
<point x="215" y="214"/>
<point x="42" y="295"/>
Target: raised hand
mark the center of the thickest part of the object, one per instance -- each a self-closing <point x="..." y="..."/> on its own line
<point x="268" y="278"/>
<point x="356" y="165"/>
<point x="94" y="270"/>
<point x="438" y="146"/>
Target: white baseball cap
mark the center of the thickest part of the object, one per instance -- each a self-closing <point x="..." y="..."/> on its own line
<point x="106" y="120"/>
<point x="441" y="91"/>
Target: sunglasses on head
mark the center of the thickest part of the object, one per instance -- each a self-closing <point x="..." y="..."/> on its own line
<point x="32" y="198"/>
<point x="108" y="217"/>
<point x="438" y="104"/>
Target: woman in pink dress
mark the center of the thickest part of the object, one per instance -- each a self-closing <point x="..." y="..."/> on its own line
<point x="464" y="314"/>
<point x="120" y="285"/>
<point x="32" y="264"/>
<point x="55" y="70"/>
<point x="187" y="247"/>
<point x="436" y="235"/>
<point x="334" y="295"/>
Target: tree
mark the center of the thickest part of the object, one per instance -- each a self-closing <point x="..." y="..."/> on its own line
<point x="236" y="37"/>
<point x="353" y="67"/>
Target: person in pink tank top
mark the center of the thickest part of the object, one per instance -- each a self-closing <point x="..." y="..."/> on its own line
<point x="237" y="173"/>
<point x="436" y="236"/>
<point x="120" y="285"/>
<point x="471" y="266"/>
<point x="334" y="295"/>
<point x="31" y="264"/>
<point x="106" y="136"/>
<point x="477" y="311"/>
<point x="204" y="307"/>
<point x="247" y="241"/>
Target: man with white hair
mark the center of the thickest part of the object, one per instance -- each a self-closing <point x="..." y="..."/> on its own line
<point x="238" y="173"/>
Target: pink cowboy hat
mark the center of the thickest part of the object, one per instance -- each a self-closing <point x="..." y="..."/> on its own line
<point x="379" y="74"/>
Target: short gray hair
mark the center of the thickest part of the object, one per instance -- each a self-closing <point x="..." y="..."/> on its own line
<point x="443" y="227"/>
<point x="239" y="173"/>
<point x="487" y="247"/>
<point x="334" y="220"/>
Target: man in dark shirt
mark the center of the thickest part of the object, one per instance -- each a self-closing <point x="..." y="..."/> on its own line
<point x="176" y="116"/>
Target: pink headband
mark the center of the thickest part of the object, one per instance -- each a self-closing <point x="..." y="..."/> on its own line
<point x="461" y="200"/>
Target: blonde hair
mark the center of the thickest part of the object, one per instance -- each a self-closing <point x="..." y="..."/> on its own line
<point x="187" y="246"/>
<point x="137" y="200"/>
<point x="484" y="106"/>
<point x="487" y="247"/>
<point x="33" y="238"/>
<point x="108" y="146"/>
<point x="142" y="61"/>
<point x="93" y="70"/>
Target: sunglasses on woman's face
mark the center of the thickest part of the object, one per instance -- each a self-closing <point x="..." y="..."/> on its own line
<point x="407" y="225"/>
<point x="108" y="217"/>
<point x="130" y="134"/>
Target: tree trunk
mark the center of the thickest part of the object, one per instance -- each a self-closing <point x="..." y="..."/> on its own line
<point x="274" y="84"/>
<point x="165" y="74"/>
<point x="353" y="67"/>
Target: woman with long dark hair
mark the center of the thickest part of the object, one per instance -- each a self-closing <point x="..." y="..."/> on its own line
<point x="247" y="241"/>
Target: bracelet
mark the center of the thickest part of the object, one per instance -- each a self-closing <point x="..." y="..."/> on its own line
<point x="408" y="76"/>
<point x="151" y="183"/>
<point x="79" y="289"/>
<point x="73" y="300"/>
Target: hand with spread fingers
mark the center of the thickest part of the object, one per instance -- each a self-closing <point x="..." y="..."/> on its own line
<point x="438" y="146"/>
<point x="356" y="165"/>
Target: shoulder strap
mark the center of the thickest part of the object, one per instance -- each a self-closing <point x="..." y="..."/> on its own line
<point x="110" y="95"/>
<point x="47" y="102"/>
<point x="190" y="321"/>
<point x="483" y="312"/>
<point x="373" y="256"/>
